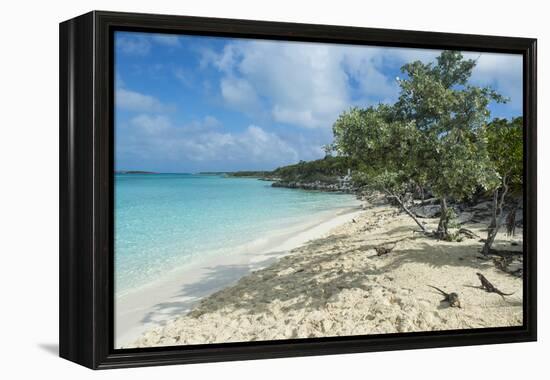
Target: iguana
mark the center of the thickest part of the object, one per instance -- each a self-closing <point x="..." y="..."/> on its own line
<point x="451" y="298"/>
<point x="382" y="250"/>
<point x="490" y="288"/>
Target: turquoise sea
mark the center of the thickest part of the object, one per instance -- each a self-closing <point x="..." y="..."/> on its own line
<point x="165" y="221"/>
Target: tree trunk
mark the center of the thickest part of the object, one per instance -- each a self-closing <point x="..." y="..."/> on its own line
<point x="511" y="219"/>
<point x="496" y="218"/>
<point x="443" y="226"/>
<point x="492" y="230"/>
<point x="407" y="211"/>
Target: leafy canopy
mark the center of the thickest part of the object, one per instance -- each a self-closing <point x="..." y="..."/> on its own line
<point x="505" y="145"/>
<point x="432" y="136"/>
<point x="384" y="147"/>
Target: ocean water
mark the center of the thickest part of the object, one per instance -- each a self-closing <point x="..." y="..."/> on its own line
<point x="167" y="221"/>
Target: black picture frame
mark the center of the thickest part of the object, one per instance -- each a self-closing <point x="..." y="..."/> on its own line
<point x="86" y="189"/>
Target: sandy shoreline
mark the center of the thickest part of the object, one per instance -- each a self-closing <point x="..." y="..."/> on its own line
<point x="337" y="285"/>
<point x="179" y="291"/>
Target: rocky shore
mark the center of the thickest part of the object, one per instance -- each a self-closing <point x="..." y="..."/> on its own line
<point x="339" y="186"/>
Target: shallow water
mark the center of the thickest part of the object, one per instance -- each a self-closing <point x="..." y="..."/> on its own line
<point x="166" y="221"/>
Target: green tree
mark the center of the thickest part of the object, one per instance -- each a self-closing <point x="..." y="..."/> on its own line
<point x="451" y="114"/>
<point x="505" y="140"/>
<point x="433" y="136"/>
<point x="385" y="149"/>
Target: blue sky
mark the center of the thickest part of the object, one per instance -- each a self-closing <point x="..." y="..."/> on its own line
<point x="190" y="103"/>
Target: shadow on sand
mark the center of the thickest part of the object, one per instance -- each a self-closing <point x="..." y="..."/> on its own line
<point x="308" y="281"/>
<point x="216" y="277"/>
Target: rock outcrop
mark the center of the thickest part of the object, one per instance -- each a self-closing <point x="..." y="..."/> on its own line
<point x="339" y="186"/>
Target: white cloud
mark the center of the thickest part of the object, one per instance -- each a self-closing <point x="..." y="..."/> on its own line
<point x="203" y="141"/>
<point x="184" y="76"/>
<point x="300" y="84"/>
<point x="503" y="72"/>
<point x="205" y="124"/>
<point x="304" y="117"/>
<point x="163" y="127"/>
<point x="305" y="84"/>
<point x="372" y="82"/>
<point x="151" y="125"/>
<point x="309" y="85"/>
<point x="281" y="86"/>
<point x="133" y="44"/>
<point x="240" y="94"/>
<point x="119" y="82"/>
<point x="267" y="146"/>
<point x="166" y="40"/>
<point x="135" y="101"/>
<point x="252" y="146"/>
<point x="211" y="122"/>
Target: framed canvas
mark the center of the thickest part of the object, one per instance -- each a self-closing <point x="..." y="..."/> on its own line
<point x="234" y="189"/>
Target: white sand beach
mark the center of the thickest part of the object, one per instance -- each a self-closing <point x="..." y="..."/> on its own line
<point x="337" y="285"/>
<point x="180" y="290"/>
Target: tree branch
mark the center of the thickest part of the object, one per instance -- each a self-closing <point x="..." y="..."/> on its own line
<point x="389" y="194"/>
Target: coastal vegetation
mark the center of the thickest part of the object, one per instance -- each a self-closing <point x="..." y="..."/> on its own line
<point x="328" y="170"/>
<point x="331" y="173"/>
<point x="325" y="169"/>
<point x="436" y="138"/>
<point x="248" y="173"/>
<point x="505" y="145"/>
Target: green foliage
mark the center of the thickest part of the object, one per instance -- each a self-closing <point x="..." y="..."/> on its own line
<point x="383" y="147"/>
<point x="326" y="170"/>
<point x="451" y="114"/>
<point x="505" y="146"/>
<point x="248" y="173"/>
<point x="451" y="217"/>
<point x="434" y="136"/>
<point x="460" y="165"/>
<point x="438" y="97"/>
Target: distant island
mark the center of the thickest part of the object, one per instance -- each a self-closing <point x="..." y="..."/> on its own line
<point x="134" y="172"/>
<point x="250" y="173"/>
<point x="212" y="173"/>
<point x="332" y="173"/>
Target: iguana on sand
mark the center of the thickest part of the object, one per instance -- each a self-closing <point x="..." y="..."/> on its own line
<point x="451" y="298"/>
<point x="382" y="250"/>
<point x="490" y="288"/>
